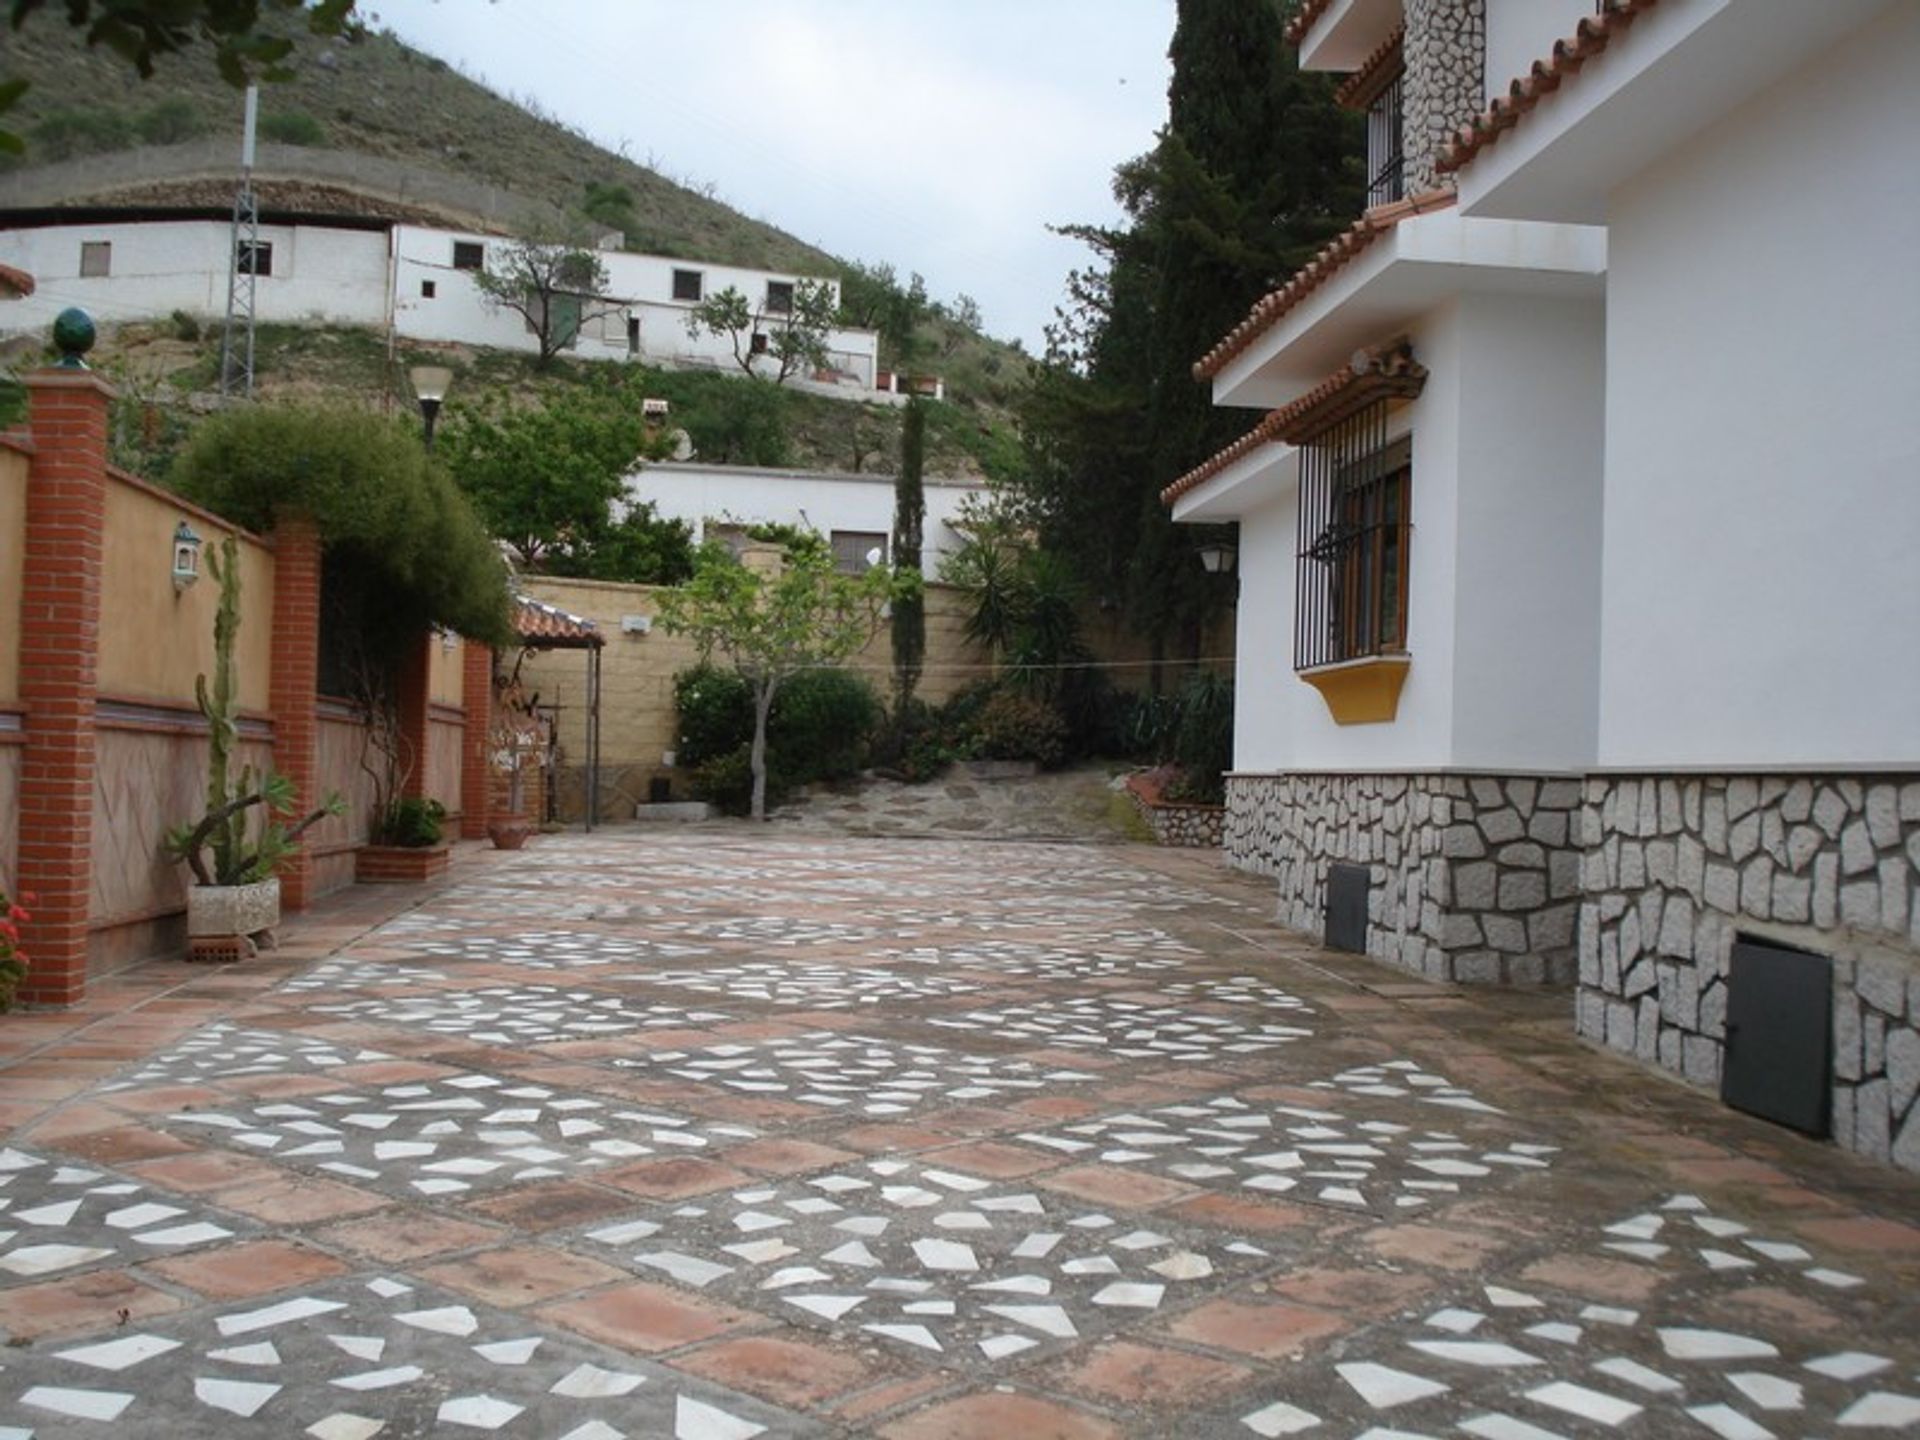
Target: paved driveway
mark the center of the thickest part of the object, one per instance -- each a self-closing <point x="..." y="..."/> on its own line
<point x="742" y="1131"/>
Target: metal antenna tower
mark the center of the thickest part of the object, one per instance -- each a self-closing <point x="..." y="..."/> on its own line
<point x="236" y="348"/>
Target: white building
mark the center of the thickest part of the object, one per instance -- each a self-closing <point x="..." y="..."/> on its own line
<point x="854" y="512"/>
<point x="412" y="280"/>
<point x="1585" y="493"/>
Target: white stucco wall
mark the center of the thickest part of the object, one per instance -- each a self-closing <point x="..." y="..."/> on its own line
<point x="1263" y="678"/>
<point x="158" y="267"/>
<point x="1520" y="32"/>
<point x="1527" y="559"/>
<point x="1762" y="529"/>
<point x="823" y="500"/>
<point x="458" y="312"/>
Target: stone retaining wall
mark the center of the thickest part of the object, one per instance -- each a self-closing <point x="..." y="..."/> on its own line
<point x="1475" y="878"/>
<point x="1198" y="827"/>
<point x="1675" y="868"/>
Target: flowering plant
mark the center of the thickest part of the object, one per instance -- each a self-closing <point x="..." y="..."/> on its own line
<point x="13" y="960"/>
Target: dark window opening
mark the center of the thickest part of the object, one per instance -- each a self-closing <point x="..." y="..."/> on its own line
<point x="633" y="334"/>
<point x="779" y="297"/>
<point x="1351" y="569"/>
<point x="256" y="257"/>
<point x="469" y="255"/>
<point x="688" y="285"/>
<point x="853" y="550"/>
<point x="760" y="342"/>
<point x="96" y="259"/>
<point x="427" y="289"/>
<point x="1386" y="152"/>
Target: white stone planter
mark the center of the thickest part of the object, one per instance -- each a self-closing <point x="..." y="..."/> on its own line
<point x="222" y="910"/>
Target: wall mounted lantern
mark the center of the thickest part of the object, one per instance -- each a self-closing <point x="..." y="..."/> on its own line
<point x="186" y="556"/>
<point x="1218" y="559"/>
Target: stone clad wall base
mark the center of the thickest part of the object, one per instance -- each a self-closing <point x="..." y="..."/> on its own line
<point x="1676" y="868"/>
<point x="1475" y="878"/>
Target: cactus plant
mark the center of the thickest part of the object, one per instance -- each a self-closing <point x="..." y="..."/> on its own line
<point x="223" y="833"/>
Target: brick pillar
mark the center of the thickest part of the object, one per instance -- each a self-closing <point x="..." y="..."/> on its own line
<point x="476" y="696"/>
<point x="59" y="664"/>
<point x="413" y="692"/>
<point x="294" y="686"/>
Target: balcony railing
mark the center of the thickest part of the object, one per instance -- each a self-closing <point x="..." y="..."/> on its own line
<point x="1350" y="599"/>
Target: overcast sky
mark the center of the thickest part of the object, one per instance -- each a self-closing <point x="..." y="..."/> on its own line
<point x="942" y="136"/>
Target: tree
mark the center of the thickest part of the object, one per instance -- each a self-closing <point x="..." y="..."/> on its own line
<point x="794" y="339"/>
<point x="909" y="523"/>
<point x="143" y="31"/>
<point x="776" y="622"/>
<point x="545" y="478"/>
<point x="555" y="284"/>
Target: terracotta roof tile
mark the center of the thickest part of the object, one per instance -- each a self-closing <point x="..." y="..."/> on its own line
<point x="1338" y="253"/>
<point x="1302" y="22"/>
<point x="1376" y="72"/>
<point x="1593" y="34"/>
<point x="537" y="622"/>
<point x="14" y="284"/>
<point x="1382" y="372"/>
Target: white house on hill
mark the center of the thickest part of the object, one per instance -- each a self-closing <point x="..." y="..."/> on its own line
<point x="415" y="281"/>
<point x="1579" y="495"/>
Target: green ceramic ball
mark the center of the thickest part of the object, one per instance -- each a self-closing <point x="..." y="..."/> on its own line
<point x="73" y="333"/>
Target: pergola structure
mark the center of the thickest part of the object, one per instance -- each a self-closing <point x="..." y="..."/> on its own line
<point x="547" y="627"/>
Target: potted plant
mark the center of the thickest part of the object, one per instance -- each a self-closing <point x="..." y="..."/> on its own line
<point x="407" y="844"/>
<point x="513" y="745"/>
<point x="13" y="960"/>
<point x="234" y="902"/>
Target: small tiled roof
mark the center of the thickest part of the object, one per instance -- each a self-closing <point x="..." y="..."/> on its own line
<point x="1363" y="87"/>
<point x="14" y="284"/>
<point x="1593" y="34"/>
<point x="1303" y="18"/>
<point x="1380" y="373"/>
<point x="1338" y="253"/>
<point x="540" y="624"/>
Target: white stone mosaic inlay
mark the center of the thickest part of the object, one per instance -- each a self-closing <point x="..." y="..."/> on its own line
<point x="56" y="1217"/>
<point x="224" y="1051"/>
<point x="521" y="1014"/>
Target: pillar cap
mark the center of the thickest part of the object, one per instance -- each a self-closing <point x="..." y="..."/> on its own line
<point x="73" y="335"/>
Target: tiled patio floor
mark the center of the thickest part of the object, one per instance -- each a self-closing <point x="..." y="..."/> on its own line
<point x="739" y="1132"/>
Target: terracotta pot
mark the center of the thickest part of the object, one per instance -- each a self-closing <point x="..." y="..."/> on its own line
<point x="509" y="833"/>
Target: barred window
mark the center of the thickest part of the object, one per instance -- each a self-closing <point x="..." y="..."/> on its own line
<point x="1386" y="145"/>
<point x="1351" y="569"/>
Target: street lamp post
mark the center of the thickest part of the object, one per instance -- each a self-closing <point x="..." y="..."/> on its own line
<point x="430" y="386"/>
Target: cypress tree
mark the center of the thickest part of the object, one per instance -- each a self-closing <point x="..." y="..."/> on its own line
<point x="909" y="525"/>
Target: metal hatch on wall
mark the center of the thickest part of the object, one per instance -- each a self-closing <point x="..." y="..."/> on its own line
<point x="1346" y="924"/>
<point x="1779" y="1048"/>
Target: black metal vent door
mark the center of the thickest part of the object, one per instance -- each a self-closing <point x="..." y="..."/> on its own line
<point x="1779" y="1058"/>
<point x="1347" y="887"/>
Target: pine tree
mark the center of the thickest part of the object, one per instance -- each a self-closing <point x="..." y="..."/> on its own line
<point x="909" y="525"/>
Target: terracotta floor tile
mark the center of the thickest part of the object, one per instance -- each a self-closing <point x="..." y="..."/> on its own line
<point x="996" y="1159"/>
<point x="118" y="1147"/>
<point x="254" y="1267"/>
<point x="1125" y="1374"/>
<point x="893" y="1139"/>
<point x="1353" y="1291"/>
<point x="786" y="1157"/>
<point x="1110" y="1185"/>
<point x="675" y="1178"/>
<point x="299" y="1199"/>
<point x="1247" y="1327"/>
<point x="517" y="1275"/>
<point x="1768" y="1306"/>
<point x="1618" y="1281"/>
<point x="1864" y="1233"/>
<point x="101" y="1300"/>
<point x="891" y="1396"/>
<point x="645" y="1318"/>
<point x="786" y="1371"/>
<point x="551" y="1206"/>
<point x="1432" y="1245"/>
<point x="204" y="1170"/>
<point x="998" y="1416"/>
<point x="397" y="1236"/>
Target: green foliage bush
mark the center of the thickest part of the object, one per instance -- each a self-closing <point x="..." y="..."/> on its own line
<point x="171" y="122"/>
<point x="727" y="781"/>
<point x="292" y="127"/>
<point x="383" y="507"/>
<point x="1019" y="727"/>
<point x="412" y="822"/>
<point x="185" y="327"/>
<point x="67" y="134"/>
<point x="821" y="723"/>
<point x="1203" y="740"/>
<point x="716" y="714"/>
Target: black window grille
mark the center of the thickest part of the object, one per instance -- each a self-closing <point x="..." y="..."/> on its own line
<point x="688" y="285"/>
<point x="1386" y="149"/>
<point x="1350" y="598"/>
<point x="255" y="257"/>
<point x="469" y="255"/>
<point x="779" y="297"/>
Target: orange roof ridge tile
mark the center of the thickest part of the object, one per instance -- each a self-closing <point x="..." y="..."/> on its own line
<point x="1334" y="256"/>
<point x="1383" y="370"/>
<point x="1302" y="22"/>
<point x="536" y="620"/>
<point x="1593" y="34"/>
<point x="15" y="284"/>
<point x="1358" y="90"/>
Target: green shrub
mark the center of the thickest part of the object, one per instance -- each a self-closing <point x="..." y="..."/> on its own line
<point x="67" y="134"/>
<point x="716" y="714"/>
<point x="821" y="723"/>
<point x="170" y="122"/>
<point x="293" y="127"/>
<point x="1203" y="743"/>
<point x="925" y="758"/>
<point x="413" y="823"/>
<point x="727" y="781"/>
<point x="1019" y="727"/>
<point x="185" y="326"/>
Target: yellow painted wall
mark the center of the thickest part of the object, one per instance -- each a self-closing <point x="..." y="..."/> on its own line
<point x="443" y="671"/>
<point x="13" y="554"/>
<point x="154" y="641"/>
